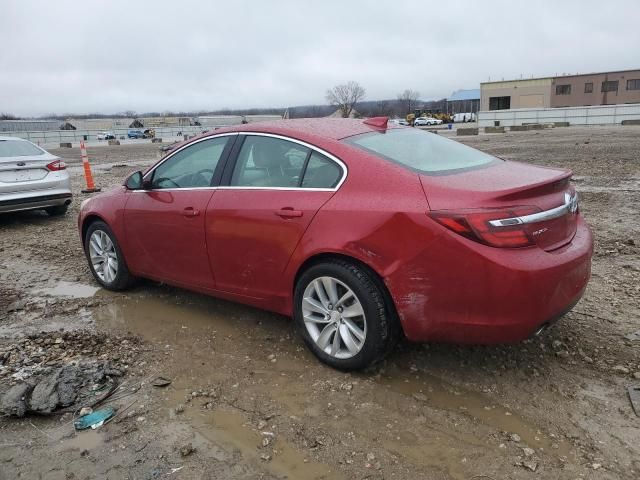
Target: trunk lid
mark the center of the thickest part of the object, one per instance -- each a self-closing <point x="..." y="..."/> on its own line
<point x="504" y="185"/>
<point x="18" y="173"/>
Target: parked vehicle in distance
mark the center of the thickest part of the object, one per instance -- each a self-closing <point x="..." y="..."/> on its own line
<point x="135" y="134"/>
<point x="359" y="230"/>
<point x="31" y="178"/>
<point x="464" y="117"/>
<point x="106" y="136"/>
<point x="398" y="121"/>
<point x="422" y="121"/>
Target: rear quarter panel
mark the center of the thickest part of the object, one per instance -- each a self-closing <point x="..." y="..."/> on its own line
<point x="377" y="217"/>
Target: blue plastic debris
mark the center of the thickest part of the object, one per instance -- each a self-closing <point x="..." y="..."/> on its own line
<point x="95" y="419"/>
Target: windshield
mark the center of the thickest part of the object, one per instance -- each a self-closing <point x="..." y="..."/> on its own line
<point x="422" y="151"/>
<point x="16" y="148"/>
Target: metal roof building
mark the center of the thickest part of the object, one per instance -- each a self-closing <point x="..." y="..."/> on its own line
<point x="29" y="125"/>
<point x="464" y="101"/>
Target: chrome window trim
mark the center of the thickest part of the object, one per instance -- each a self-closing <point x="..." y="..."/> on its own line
<point x="340" y="163"/>
<point x="234" y="188"/>
<point x="570" y="205"/>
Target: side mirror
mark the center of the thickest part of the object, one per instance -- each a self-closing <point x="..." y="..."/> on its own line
<point x="134" y="181"/>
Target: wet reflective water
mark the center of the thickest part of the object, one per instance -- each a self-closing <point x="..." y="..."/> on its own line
<point x="209" y="338"/>
<point x="69" y="290"/>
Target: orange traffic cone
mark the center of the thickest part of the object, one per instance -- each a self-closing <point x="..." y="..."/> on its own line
<point x="87" y="170"/>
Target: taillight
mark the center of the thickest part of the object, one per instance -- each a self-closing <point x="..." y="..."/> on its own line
<point x="57" y="165"/>
<point x="474" y="225"/>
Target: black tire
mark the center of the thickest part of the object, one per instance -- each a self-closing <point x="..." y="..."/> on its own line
<point x="382" y="325"/>
<point x="57" y="210"/>
<point x="123" y="279"/>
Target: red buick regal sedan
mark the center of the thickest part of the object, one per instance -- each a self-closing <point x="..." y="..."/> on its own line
<point x="360" y="230"/>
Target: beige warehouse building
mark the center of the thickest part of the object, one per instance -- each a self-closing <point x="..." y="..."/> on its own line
<point x="606" y="88"/>
<point x="610" y="88"/>
<point x="505" y="95"/>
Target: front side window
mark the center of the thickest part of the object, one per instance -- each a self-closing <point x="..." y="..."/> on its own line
<point x="191" y="167"/>
<point x="18" y="148"/>
<point x="421" y="151"/>
<point x="610" y="86"/>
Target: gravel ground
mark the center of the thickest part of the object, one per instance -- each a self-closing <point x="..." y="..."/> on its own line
<point x="248" y="401"/>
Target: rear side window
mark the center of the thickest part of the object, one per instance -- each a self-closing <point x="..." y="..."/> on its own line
<point x="424" y="152"/>
<point x="321" y="172"/>
<point x="16" y="148"/>
<point x="269" y="162"/>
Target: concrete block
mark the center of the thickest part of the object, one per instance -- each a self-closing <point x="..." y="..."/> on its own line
<point x="631" y="122"/>
<point x="114" y="142"/>
<point x="466" y="131"/>
<point x="493" y="129"/>
<point x="519" y="128"/>
<point x="560" y="124"/>
<point x="535" y="126"/>
<point x="156" y="140"/>
<point x="65" y="144"/>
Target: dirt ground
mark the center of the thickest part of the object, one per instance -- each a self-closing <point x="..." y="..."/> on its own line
<point x="248" y="401"/>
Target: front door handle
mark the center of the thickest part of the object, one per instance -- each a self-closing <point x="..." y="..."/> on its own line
<point x="288" y="212"/>
<point x="190" y="212"/>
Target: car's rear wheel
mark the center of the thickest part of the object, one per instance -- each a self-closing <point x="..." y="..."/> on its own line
<point x="342" y="315"/>
<point x="105" y="257"/>
<point x="57" y="210"/>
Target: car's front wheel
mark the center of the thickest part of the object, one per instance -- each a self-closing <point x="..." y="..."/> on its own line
<point x="105" y="257"/>
<point x="342" y="315"/>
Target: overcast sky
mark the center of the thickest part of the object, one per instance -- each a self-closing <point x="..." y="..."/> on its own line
<point x="110" y="56"/>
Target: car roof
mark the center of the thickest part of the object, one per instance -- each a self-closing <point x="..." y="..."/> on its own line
<point x="329" y="128"/>
<point x="2" y="137"/>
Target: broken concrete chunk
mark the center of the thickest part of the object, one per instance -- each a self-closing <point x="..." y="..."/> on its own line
<point x="44" y="397"/>
<point x="14" y="402"/>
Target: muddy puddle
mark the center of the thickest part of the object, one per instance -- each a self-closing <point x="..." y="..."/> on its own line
<point x="86" y="440"/>
<point x="69" y="290"/>
<point x="210" y="339"/>
<point x="438" y="394"/>
<point x="164" y="318"/>
<point x="232" y="431"/>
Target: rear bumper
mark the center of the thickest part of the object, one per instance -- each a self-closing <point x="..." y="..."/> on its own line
<point x="35" y="200"/>
<point x="487" y="295"/>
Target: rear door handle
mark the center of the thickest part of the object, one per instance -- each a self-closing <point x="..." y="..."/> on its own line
<point x="288" y="212"/>
<point x="190" y="212"/>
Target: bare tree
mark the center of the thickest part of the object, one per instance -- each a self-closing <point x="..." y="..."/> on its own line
<point x="345" y="97"/>
<point x="409" y="99"/>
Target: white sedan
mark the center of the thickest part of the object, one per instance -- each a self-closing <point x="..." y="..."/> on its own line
<point x="31" y="178"/>
<point x="106" y="136"/>
<point x="422" y="121"/>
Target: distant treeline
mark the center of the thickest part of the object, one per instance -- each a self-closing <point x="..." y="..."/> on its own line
<point x="367" y="108"/>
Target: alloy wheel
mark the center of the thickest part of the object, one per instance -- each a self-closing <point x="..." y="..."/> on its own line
<point x="104" y="257"/>
<point x="334" y="317"/>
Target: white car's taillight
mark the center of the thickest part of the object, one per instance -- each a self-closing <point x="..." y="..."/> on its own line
<point x="56" y="165"/>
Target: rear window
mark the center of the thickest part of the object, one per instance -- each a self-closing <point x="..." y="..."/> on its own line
<point x="422" y="151"/>
<point x="16" y="148"/>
